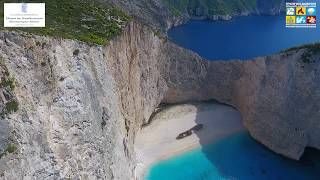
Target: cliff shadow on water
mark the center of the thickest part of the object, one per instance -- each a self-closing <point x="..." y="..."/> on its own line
<point x="238" y="156"/>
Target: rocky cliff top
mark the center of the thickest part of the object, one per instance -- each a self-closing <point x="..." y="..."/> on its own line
<point x="86" y="20"/>
<point x="163" y="14"/>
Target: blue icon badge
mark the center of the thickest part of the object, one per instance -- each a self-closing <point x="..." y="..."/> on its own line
<point x="301" y="20"/>
<point x="311" y="11"/>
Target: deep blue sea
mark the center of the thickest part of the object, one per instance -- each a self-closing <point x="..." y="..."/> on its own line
<point x="241" y="38"/>
<point x="237" y="157"/>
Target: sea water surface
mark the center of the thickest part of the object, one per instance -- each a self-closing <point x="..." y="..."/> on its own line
<point x="237" y="157"/>
<point x="243" y="37"/>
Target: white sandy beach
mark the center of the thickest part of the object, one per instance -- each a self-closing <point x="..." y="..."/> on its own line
<point x="157" y="141"/>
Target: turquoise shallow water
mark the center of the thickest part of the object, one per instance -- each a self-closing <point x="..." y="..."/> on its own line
<point x="236" y="157"/>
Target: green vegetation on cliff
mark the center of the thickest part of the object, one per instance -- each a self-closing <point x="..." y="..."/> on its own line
<point x="7" y="83"/>
<point x="11" y="105"/>
<point x="306" y="57"/>
<point x="10" y="148"/>
<point x="85" y="20"/>
<point x="314" y="48"/>
<point x="210" y="7"/>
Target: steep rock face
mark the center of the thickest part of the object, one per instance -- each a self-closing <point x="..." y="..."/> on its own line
<point x="68" y="124"/>
<point x="81" y="105"/>
<point x="277" y="95"/>
<point x="153" y="13"/>
<point x="271" y="7"/>
<point x="163" y="14"/>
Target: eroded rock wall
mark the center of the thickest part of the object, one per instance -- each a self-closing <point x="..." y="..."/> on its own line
<point x="68" y="124"/>
<point x="277" y="96"/>
<point x="80" y="105"/>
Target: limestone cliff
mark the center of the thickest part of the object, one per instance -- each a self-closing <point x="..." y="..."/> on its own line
<point x="277" y="96"/>
<point x="163" y="14"/>
<point x="80" y="105"/>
